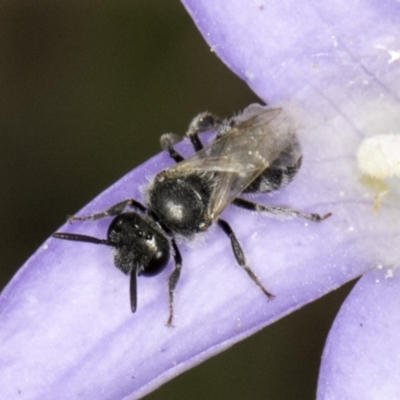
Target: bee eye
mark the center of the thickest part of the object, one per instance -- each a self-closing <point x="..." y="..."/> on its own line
<point x="157" y="263"/>
<point x="118" y="225"/>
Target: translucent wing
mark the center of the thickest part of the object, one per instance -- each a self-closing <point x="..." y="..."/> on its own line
<point x="239" y="156"/>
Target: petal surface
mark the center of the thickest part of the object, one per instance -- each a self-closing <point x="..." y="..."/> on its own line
<point x="361" y="358"/>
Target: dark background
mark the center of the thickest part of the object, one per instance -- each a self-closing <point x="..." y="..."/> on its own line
<point x="87" y="87"/>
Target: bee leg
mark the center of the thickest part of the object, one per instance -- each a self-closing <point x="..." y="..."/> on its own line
<point x="167" y="142"/>
<point x="173" y="280"/>
<point x="239" y="255"/>
<point x="279" y="212"/>
<point x="113" y="210"/>
<point x="133" y="291"/>
<point x="205" y="121"/>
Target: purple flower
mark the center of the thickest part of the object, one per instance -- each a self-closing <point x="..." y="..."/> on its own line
<point x="67" y="331"/>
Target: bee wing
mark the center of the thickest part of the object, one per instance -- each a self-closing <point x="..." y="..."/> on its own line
<point x="238" y="157"/>
<point x="236" y="150"/>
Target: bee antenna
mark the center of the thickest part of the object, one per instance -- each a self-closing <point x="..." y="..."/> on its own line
<point x="82" y="238"/>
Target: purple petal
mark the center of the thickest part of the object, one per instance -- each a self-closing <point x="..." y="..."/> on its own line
<point x="314" y="51"/>
<point x="361" y="358"/>
<point x="66" y="328"/>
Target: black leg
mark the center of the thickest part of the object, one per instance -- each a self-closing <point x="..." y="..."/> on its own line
<point x="239" y="255"/>
<point x="278" y="212"/>
<point x="173" y="280"/>
<point x="167" y="142"/>
<point x="113" y="210"/>
<point x="203" y="122"/>
<point x="133" y="291"/>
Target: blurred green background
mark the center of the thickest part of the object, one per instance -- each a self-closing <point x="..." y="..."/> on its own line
<point x="87" y="87"/>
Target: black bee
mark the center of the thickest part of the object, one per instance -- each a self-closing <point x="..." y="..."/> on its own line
<point x="255" y="151"/>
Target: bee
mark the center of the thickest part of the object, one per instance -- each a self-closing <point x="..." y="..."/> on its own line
<point x="256" y="151"/>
